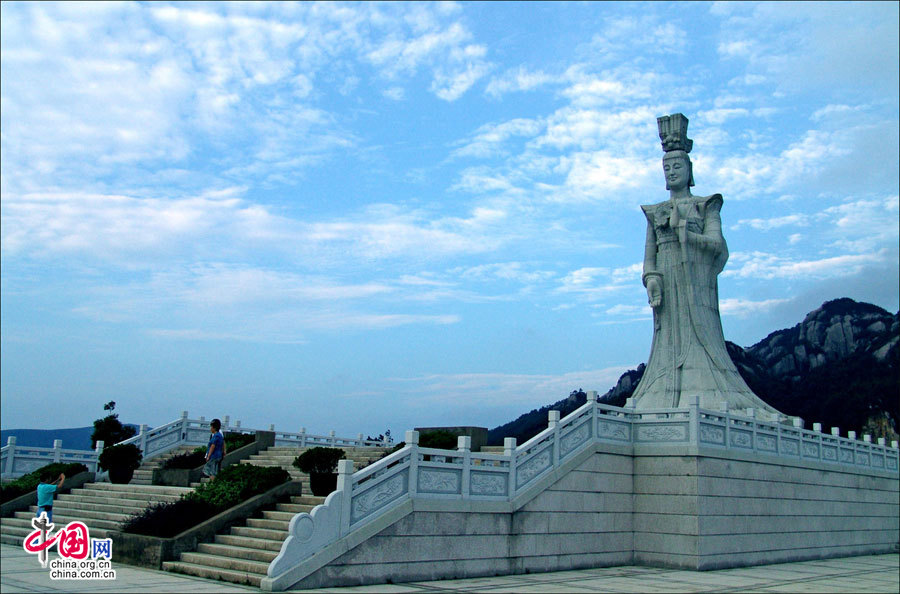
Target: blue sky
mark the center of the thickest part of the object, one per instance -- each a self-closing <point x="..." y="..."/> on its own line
<point x="370" y="216"/>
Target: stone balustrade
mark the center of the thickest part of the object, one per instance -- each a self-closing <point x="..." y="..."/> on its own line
<point x="417" y="473"/>
<point x="16" y="460"/>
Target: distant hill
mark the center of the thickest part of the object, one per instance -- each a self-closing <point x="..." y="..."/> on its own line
<point x="78" y="438"/>
<point x="840" y="366"/>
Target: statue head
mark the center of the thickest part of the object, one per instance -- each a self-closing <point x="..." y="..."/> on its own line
<point x="678" y="170"/>
<point x="676" y="163"/>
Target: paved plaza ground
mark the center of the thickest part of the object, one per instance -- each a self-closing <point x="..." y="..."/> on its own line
<point x="20" y="572"/>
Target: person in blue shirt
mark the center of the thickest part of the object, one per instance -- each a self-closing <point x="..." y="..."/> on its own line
<point x="216" y="449"/>
<point x="45" y="491"/>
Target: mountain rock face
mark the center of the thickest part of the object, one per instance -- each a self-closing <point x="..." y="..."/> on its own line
<point x="840" y="366"/>
<point x="839" y="329"/>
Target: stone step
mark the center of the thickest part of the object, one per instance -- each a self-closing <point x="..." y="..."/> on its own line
<point x="265" y="533"/>
<point x="215" y="573"/>
<point x="121" y="501"/>
<point x="85" y="515"/>
<point x="21" y="527"/>
<point x="268" y="524"/>
<point x="222" y="550"/>
<point x="139" y="489"/>
<point x="79" y="505"/>
<point x="281" y="515"/>
<point x="231" y="563"/>
<point x="307" y="499"/>
<point x="293" y="508"/>
<point x="249" y="542"/>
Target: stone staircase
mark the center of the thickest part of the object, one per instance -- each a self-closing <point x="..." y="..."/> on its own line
<point x="144" y="474"/>
<point x="283" y="456"/>
<point x="243" y="555"/>
<point x="101" y="506"/>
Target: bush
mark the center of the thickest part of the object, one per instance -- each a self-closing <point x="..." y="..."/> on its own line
<point x="187" y="461"/>
<point x="125" y="456"/>
<point x="29" y="482"/>
<point x="166" y="520"/>
<point x="232" y="486"/>
<point x="234" y="441"/>
<point x="110" y="429"/>
<point x="238" y="483"/>
<point x="440" y="439"/>
<point x="319" y="460"/>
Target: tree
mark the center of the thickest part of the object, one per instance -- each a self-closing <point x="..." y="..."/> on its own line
<point x="109" y="429"/>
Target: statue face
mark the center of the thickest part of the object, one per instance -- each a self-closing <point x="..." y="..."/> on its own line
<point x="678" y="173"/>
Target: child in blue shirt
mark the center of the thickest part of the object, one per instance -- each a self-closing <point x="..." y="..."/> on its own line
<point x="215" y="451"/>
<point x="45" y="491"/>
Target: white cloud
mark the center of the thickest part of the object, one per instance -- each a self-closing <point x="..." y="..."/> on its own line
<point x="744" y="307"/>
<point x="465" y="389"/>
<point x="519" y="79"/>
<point x="799" y="220"/>
<point x="763" y="265"/>
<point x="488" y="140"/>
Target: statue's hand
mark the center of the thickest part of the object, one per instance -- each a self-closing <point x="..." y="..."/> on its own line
<point x="654" y="292"/>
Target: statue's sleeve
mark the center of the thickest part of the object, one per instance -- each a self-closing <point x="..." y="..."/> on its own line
<point x="711" y="238"/>
<point x="650" y="243"/>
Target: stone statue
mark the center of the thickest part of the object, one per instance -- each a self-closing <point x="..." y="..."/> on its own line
<point x="683" y="256"/>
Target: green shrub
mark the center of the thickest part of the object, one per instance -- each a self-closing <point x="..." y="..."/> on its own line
<point x="233" y="485"/>
<point x="166" y="520"/>
<point x="234" y="441"/>
<point x="126" y="455"/>
<point x="438" y="438"/>
<point x="319" y="460"/>
<point x="29" y="482"/>
<point x="188" y="461"/>
<point x="238" y="483"/>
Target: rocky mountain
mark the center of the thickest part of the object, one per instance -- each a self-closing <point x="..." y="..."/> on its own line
<point x="840" y="366"/>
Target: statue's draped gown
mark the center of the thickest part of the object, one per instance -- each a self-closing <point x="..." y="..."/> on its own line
<point x="688" y="356"/>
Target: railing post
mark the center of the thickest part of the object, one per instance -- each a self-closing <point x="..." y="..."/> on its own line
<point x="345" y="487"/>
<point x="867" y="438"/>
<point x="225" y="422"/>
<point x="57" y="446"/>
<point x="412" y="440"/>
<point x="594" y="399"/>
<point x="553" y="423"/>
<point x="509" y="450"/>
<point x="11" y="455"/>
<point x="464" y="447"/>
<point x="302" y="437"/>
<point x="237" y="424"/>
<point x="333" y="441"/>
<point x="817" y="427"/>
<point x="881" y="441"/>
<point x="694" y="420"/>
<point x="271" y="426"/>
<point x="184" y="425"/>
<point x="143" y="441"/>
<point x="97" y="449"/>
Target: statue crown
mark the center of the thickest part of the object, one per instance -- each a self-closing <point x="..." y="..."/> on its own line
<point x="673" y="133"/>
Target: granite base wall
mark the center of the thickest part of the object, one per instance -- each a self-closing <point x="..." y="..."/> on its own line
<point x="659" y="506"/>
<point x="718" y="510"/>
<point x="582" y="520"/>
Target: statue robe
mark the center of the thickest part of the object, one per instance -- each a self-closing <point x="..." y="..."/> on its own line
<point x="688" y="357"/>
